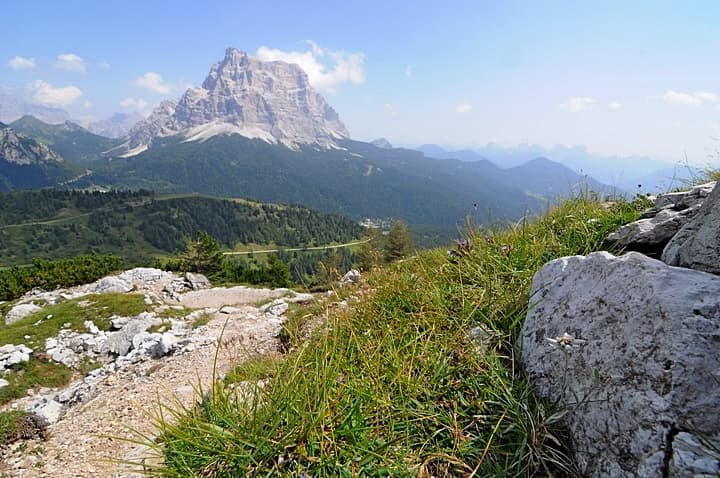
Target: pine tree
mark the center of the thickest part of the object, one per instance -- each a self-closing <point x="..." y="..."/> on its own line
<point x="370" y="255"/>
<point x="278" y="273"/>
<point x="202" y="254"/>
<point x="398" y="243"/>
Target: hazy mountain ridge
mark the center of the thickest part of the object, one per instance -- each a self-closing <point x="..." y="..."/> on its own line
<point x="73" y="142"/>
<point x="116" y="126"/>
<point x="359" y="180"/>
<point x="13" y="106"/>
<point x="621" y="173"/>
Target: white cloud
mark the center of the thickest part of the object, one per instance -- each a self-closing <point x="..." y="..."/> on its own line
<point x="87" y="104"/>
<point x="697" y="98"/>
<point x="21" y="63"/>
<point x="578" y="104"/>
<point x="409" y="71"/>
<point x="138" y="104"/>
<point x="103" y="65"/>
<point x="153" y="82"/>
<point x="678" y="98"/>
<point x="389" y="110"/>
<point x="48" y="95"/>
<point x="614" y="105"/>
<point x="70" y="62"/>
<point x="463" y="108"/>
<point x="707" y="97"/>
<point x="326" y="69"/>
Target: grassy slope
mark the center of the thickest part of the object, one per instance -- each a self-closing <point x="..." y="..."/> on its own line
<point x="395" y="386"/>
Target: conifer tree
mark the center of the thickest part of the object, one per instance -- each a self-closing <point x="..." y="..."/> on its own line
<point x="370" y="253"/>
<point x="202" y="254"/>
<point x="398" y="243"/>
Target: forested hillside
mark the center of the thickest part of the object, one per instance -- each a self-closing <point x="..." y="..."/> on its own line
<point x="139" y="225"/>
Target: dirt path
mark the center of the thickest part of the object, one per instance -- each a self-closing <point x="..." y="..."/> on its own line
<point x="91" y="435"/>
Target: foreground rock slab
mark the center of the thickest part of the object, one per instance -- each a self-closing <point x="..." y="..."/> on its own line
<point x="630" y="348"/>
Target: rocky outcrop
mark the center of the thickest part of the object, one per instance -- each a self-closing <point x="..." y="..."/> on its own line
<point x="697" y="244"/>
<point x="13" y="355"/>
<point x="19" y="149"/>
<point x="19" y="312"/>
<point x="630" y="348"/>
<point x="661" y="222"/>
<point x="269" y="100"/>
<point x="351" y="277"/>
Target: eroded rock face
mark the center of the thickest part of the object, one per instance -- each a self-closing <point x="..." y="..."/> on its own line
<point x="631" y="348"/>
<point x="269" y="100"/>
<point x="697" y="244"/>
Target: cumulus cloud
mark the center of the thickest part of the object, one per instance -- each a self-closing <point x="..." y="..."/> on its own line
<point x="678" y="98"/>
<point x="21" y="63"/>
<point x="614" y="105"/>
<point x="389" y="110"/>
<point x="326" y="69"/>
<point x="578" y="104"/>
<point x="138" y="104"/>
<point x="103" y="65"/>
<point x="48" y="95"/>
<point x="463" y="108"/>
<point x="409" y="71"/>
<point x="70" y="62"/>
<point x="87" y="104"/>
<point x="152" y="81"/>
<point x="690" y="99"/>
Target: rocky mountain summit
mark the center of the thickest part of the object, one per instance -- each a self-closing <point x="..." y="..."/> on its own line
<point x="19" y="149"/>
<point x="269" y="100"/>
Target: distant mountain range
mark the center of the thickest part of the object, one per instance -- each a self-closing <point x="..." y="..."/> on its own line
<point x="257" y="129"/>
<point x="116" y="126"/>
<point x="623" y="173"/>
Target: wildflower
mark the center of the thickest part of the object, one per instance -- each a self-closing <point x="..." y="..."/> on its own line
<point x="304" y="475"/>
<point x="565" y="341"/>
<point x="340" y="379"/>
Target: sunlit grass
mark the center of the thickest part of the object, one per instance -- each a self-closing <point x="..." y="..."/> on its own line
<point x="419" y="377"/>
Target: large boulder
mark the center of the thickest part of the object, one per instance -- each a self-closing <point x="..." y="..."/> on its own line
<point x="19" y="312"/>
<point x="697" y="244"/>
<point x="630" y="348"/>
<point x="670" y="212"/>
<point x="113" y="284"/>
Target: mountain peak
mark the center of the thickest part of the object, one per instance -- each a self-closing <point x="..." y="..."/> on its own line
<point x="19" y="149"/>
<point x="268" y="100"/>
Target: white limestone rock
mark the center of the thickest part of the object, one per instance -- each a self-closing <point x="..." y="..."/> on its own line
<point x="277" y="307"/>
<point x="629" y="347"/>
<point x="112" y="284"/>
<point x="269" y="100"/>
<point x="49" y="409"/>
<point x="19" y="312"/>
<point x="697" y="244"/>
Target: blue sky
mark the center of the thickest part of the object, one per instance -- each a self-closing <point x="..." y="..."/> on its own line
<point x="622" y="78"/>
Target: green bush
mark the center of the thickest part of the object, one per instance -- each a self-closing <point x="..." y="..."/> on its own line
<point x="48" y="275"/>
